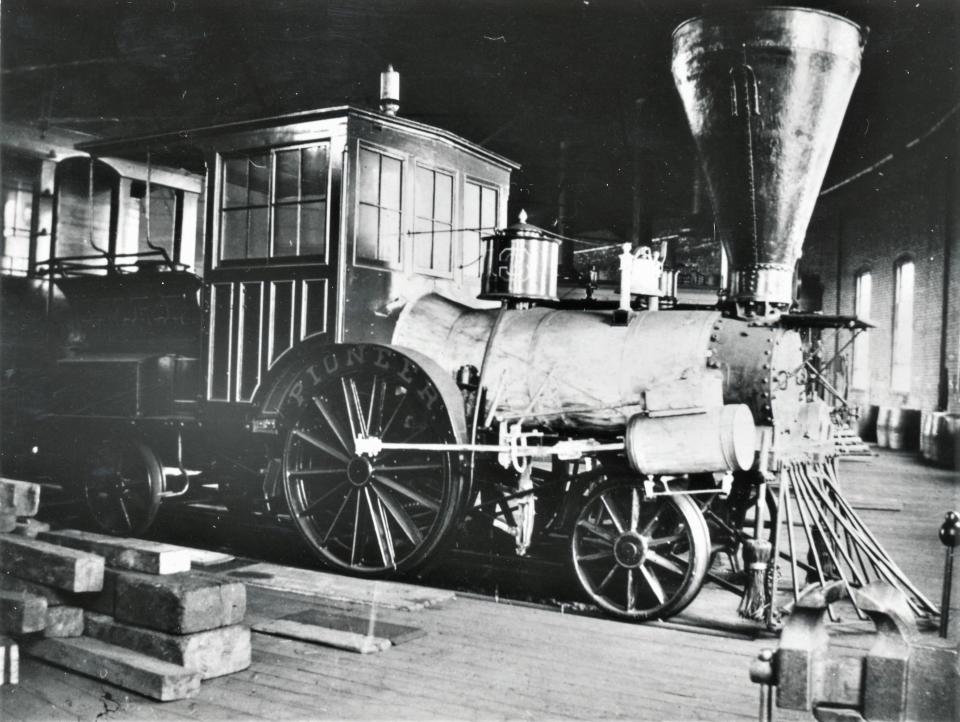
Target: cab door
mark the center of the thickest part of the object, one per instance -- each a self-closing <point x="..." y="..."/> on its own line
<point x="272" y="260"/>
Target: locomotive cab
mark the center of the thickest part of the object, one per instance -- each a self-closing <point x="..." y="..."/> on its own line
<point x="320" y="227"/>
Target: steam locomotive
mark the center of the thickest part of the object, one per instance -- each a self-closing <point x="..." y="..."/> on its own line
<point x="368" y="359"/>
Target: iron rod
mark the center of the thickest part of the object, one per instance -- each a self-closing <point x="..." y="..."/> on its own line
<point x="789" y="518"/>
<point x="833" y="558"/>
<point x="877" y="553"/>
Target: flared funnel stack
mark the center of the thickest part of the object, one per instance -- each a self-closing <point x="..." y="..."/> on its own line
<point x="765" y="92"/>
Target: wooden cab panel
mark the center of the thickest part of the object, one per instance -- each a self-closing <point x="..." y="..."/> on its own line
<point x="417" y="202"/>
<point x="272" y="247"/>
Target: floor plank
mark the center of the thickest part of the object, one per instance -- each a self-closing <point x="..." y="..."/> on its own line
<point x="482" y="660"/>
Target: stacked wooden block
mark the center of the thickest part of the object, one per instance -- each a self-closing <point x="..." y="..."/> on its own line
<point x="20" y="610"/>
<point x="19" y="503"/>
<point x="148" y="623"/>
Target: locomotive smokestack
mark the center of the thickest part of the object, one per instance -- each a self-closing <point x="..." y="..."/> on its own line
<point x="765" y="92"/>
<point x="389" y="91"/>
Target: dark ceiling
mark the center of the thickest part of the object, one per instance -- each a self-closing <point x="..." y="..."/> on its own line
<point x="520" y="76"/>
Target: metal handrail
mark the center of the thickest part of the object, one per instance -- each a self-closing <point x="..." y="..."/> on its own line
<point x="100" y="264"/>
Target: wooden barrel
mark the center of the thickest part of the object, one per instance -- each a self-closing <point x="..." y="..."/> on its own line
<point x="948" y="441"/>
<point x="929" y="421"/>
<point x="903" y="429"/>
<point x="883" y="427"/>
<point x="867" y="423"/>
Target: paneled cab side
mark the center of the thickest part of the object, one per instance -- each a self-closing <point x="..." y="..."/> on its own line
<point x="417" y="202"/>
<point x="272" y="255"/>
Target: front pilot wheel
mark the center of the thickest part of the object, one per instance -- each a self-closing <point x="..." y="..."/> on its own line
<point x="640" y="558"/>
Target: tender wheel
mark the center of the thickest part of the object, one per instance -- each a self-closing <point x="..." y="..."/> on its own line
<point x="372" y="515"/>
<point x="122" y="485"/>
<point x="640" y="558"/>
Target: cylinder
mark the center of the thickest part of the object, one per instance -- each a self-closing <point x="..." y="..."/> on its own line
<point x="520" y="264"/>
<point x="883" y="427"/>
<point x="720" y="439"/>
<point x="389" y="91"/>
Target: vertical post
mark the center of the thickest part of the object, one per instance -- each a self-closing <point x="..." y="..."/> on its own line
<point x="762" y="673"/>
<point x="949" y="537"/>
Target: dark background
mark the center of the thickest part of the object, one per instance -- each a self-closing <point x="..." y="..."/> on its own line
<point x="554" y="84"/>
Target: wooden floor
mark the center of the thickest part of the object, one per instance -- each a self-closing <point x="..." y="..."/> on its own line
<point x="480" y="659"/>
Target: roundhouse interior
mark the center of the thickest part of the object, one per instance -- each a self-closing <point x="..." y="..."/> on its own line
<point x="238" y="283"/>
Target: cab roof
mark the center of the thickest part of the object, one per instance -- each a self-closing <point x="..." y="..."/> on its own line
<point x="184" y="147"/>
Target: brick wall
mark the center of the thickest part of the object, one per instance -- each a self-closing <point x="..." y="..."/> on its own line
<point x="909" y="208"/>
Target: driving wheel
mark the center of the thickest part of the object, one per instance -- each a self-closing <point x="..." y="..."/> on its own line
<point x="640" y="558"/>
<point x="373" y="513"/>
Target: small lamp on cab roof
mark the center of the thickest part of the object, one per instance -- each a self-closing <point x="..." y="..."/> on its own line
<point x="389" y="91"/>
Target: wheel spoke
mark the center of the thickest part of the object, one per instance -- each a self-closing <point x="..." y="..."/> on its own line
<point x="377" y="429"/>
<point x="416" y="432"/>
<point x="634" y="508"/>
<point x="356" y="532"/>
<point x="323" y="446"/>
<point x="123" y="510"/>
<point x="334" y="426"/>
<point x="383" y="543"/>
<point x="407" y="492"/>
<point x="349" y="405"/>
<point x="660" y="541"/>
<point x="393" y="416"/>
<point x="598" y="531"/>
<point x="368" y="424"/>
<point x="595" y="556"/>
<point x="336" y="517"/>
<point x="631" y="592"/>
<point x="358" y="410"/>
<point x="399" y="514"/>
<point x="387" y="535"/>
<point x="608" y="578"/>
<point x="612" y="512"/>
<point x="649" y="527"/>
<point x="667" y="564"/>
<point x="317" y="503"/>
<point x="651" y="579"/>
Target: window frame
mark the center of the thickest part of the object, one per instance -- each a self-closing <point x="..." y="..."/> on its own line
<point x="454" y="205"/>
<point x="176" y="226"/>
<point x="498" y="190"/>
<point x="272" y="258"/>
<point x="901" y="334"/>
<point x="860" y="356"/>
<point x="404" y="160"/>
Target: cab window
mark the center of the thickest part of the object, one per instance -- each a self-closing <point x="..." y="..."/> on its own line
<point x="274" y="203"/>
<point x="379" y="222"/>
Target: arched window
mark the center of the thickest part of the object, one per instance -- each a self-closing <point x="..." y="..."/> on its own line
<point x="902" y="346"/>
<point x="863" y="292"/>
